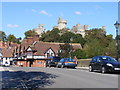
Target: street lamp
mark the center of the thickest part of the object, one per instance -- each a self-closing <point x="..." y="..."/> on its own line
<point x="71" y="39"/>
<point x="117" y="24"/>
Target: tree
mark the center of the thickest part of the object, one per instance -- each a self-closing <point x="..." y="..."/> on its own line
<point x="80" y="54"/>
<point x="11" y="38"/>
<point x="51" y="36"/>
<point x="2" y="36"/>
<point x="94" y="48"/>
<point x="19" y="40"/>
<point x="111" y="49"/>
<point x="30" y="33"/>
<point x="78" y="39"/>
<point x="65" y="38"/>
<point x="65" y="50"/>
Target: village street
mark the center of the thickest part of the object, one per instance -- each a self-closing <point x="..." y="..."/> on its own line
<point x="36" y="77"/>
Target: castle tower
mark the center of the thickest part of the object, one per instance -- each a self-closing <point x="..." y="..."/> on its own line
<point x="104" y="29"/>
<point x="61" y="23"/>
<point x="40" y="29"/>
<point x="85" y="27"/>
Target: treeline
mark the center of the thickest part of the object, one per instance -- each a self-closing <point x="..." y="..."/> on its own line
<point x="95" y="42"/>
<point x="10" y="38"/>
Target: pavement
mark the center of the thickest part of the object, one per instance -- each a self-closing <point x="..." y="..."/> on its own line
<point x="36" y="77"/>
<point x="83" y="68"/>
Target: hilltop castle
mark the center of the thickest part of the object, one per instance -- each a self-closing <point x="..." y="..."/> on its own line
<point x="77" y="29"/>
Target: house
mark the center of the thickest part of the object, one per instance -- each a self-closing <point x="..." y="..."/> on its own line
<point x="8" y="52"/>
<point x="34" y="53"/>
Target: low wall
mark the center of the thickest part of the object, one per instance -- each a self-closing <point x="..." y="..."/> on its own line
<point x="84" y="62"/>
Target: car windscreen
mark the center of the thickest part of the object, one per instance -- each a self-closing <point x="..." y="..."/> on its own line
<point x="57" y="59"/>
<point x="110" y="59"/>
<point x="68" y="59"/>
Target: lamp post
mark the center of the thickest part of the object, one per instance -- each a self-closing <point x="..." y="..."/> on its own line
<point x="71" y="39"/>
<point x="117" y="24"/>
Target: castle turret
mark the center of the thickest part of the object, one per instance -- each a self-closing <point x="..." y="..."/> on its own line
<point x="104" y="29"/>
<point x="61" y="23"/>
<point x="40" y="29"/>
<point x="85" y="27"/>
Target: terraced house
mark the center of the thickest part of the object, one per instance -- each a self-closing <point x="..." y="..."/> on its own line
<point x="34" y="53"/>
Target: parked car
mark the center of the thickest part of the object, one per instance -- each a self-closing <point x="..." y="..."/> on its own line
<point x="104" y="64"/>
<point x="52" y="61"/>
<point x="67" y="62"/>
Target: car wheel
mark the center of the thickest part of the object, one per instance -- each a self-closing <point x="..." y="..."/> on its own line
<point x="90" y="69"/>
<point x="49" y="65"/>
<point x="62" y="66"/>
<point x="103" y="70"/>
<point x="57" y="66"/>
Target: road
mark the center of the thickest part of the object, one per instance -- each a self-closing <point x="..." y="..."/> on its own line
<point x="36" y="77"/>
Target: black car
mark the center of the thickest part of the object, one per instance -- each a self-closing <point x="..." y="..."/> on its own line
<point x="52" y="61"/>
<point x="104" y="64"/>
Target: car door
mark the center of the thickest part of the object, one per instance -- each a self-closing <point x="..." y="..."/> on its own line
<point x="98" y="63"/>
<point x="60" y="62"/>
<point x="93" y="62"/>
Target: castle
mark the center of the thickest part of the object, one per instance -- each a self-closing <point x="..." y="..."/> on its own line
<point x="77" y="29"/>
<point x="61" y="24"/>
<point x="40" y="29"/>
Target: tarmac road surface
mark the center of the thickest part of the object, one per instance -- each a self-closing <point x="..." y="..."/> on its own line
<point x="36" y="77"/>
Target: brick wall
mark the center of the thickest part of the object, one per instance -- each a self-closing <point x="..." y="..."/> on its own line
<point x="38" y="63"/>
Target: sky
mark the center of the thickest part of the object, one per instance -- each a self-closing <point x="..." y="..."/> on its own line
<point x="18" y="17"/>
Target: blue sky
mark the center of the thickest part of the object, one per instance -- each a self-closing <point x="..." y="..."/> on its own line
<point x="18" y="17"/>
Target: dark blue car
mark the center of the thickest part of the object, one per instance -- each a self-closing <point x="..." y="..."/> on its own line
<point x="104" y="64"/>
<point x="67" y="62"/>
<point x="52" y="61"/>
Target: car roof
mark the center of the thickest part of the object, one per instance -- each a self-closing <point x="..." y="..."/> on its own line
<point x="51" y="57"/>
<point x="102" y="56"/>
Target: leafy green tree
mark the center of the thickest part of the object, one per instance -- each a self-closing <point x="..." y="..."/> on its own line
<point x="18" y="40"/>
<point x="30" y="33"/>
<point x="11" y="38"/>
<point x="2" y="36"/>
<point x="80" y="54"/>
<point x="94" y="48"/>
<point x="78" y="39"/>
<point x="51" y="36"/>
<point x="111" y="49"/>
<point x="65" y="38"/>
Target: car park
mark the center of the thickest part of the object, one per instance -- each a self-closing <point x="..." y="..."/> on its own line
<point x="104" y="64"/>
<point x="52" y="61"/>
<point x="67" y="62"/>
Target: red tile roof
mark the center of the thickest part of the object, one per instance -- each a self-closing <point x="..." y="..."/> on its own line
<point x="42" y="47"/>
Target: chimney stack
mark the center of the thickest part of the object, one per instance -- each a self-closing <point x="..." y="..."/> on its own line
<point x="30" y="39"/>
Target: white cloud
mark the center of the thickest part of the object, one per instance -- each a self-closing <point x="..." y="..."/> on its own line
<point x="45" y="13"/>
<point x="78" y="12"/>
<point x="12" y="26"/>
<point x="33" y="10"/>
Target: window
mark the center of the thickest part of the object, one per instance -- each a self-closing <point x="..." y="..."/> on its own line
<point x="98" y="59"/>
<point x="94" y="59"/>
